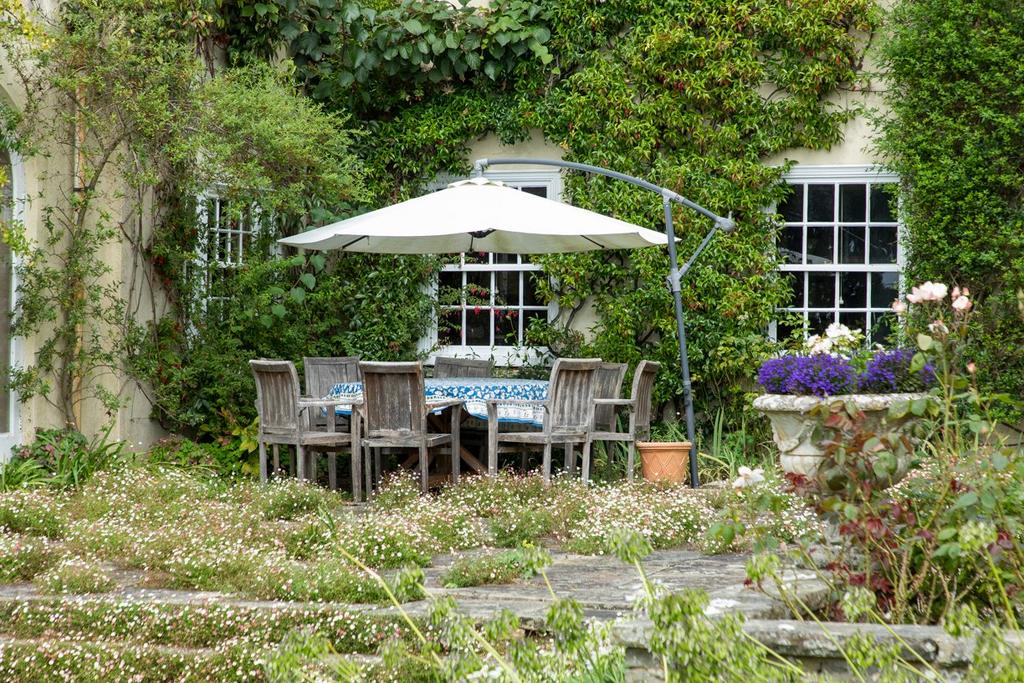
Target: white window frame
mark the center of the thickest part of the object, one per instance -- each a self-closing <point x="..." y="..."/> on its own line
<point x="238" y="239"/>
<point x="13" y="436"/>
<point x="502" y="354"/>
<point x="841" y="175"/>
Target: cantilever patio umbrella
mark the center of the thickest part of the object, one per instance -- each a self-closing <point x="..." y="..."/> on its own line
<point x="477" y="215"/>
<point x="484" y="215"/>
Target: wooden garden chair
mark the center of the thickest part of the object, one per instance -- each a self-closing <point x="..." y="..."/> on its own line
<point x="322" y="374"/>
<point x="463" y="367"/>
<point x="284" y="421"/>
<point x="395" y="409"/>
<point x="568" y="415"/>
<point x="639" y="407"/>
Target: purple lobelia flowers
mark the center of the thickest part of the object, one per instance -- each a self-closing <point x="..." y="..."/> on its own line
<point x="889" y="372"/>
<point x="820" y="374"/>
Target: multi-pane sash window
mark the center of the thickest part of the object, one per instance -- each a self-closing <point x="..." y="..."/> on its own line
<point x="488" y="300"/>
<point x="840" y="250"/>
<point x="227" y="238"/>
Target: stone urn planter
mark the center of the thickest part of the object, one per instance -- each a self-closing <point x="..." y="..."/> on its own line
<point x="793" y="423"/>
<point x="665" y="461"/>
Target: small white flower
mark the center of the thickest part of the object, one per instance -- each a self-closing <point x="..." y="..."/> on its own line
<point x="748" y="477"/>
<point x="929" y="291"/>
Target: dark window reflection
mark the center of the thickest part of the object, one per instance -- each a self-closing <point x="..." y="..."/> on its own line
<point x="821" y="202"/>
<point x="821" y="290"/>
<point x="883" y="244"/>
<point x="791" y="243"/>
<point x="792" y="207"/>
<point x="819" y="244"/>
<point x="478" y="326"/>
<point x="855" y="321"/>
<point x="796" y="285"/>
<point x="851" y="241"/>
<point x="852" y="203"/>
<point x="853" y="290"/>
<point x="883" y="203"/>
<point x="884" y="289"/>
<point x="818" y="321"/>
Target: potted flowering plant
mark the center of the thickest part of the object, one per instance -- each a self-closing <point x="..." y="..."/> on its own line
<point x="836" y="369"/>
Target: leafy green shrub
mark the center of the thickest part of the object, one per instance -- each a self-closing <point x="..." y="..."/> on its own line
<point x="75" y="576"/>
<point x="68" y="457"/>
<point x="18" y="473"/>
<point x="954" y="132"/>
<point x="491" y="568"/>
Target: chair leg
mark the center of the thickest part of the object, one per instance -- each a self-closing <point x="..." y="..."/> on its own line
<point x="367" y="455"/>
<point x="294" y="471"/>
<point x="546" y="472"/>
<point x="314" y="457"/>
<point x="570" y="459"/>
<point x="456" y="443"/>
<point x="492" y="448"/>
<point x="424" y="478"/>
<point x="263" y="461"/>
<point x="332" y="470"/>
<point x="630" y="459"/>
<point x="300" y="458"/>
<point x="277" y="460"/>
<point x="586" y="462"/>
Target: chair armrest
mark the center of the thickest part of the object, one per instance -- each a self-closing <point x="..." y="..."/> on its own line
<point x="517" y="402"/>
<point x="613" y="401"/>
<point x="326" y="403"/>
<point x="445" y="403"/>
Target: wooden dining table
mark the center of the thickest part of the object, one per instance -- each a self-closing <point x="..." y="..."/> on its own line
<point x="475" y="392"/>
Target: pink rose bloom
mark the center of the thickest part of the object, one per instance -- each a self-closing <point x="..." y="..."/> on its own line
<point x="972" y="368"/>
<point x="961" y="304"/>
<point x="929" y="291"/>
<point x="898" y="307"/>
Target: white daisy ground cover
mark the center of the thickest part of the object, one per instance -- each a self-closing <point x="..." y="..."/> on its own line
<point x="290" y="541"/>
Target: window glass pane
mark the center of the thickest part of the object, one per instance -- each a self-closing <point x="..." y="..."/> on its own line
<point x="478" y="326"/>
<point x="506" y="287"/>
<point x="884" y="289"/>
<point x="852" y="203"/>
<point x="449" y="327"/>
<point x="506" y="327"/>
<point x="792" y="207"/>
<point x="855" y="321"/>
<point x="883" y="203"/>
<point x="796" y="285"/>
<point x="821" y="290"/>
<point x="476" y="257"/>
<point x="784" y="331"/>
<point x="821" y="202"/>
<point x="881" y="331"/>
<point x="851" y="244"/>
<point x="819" y="244"/>
<point x="538" y="190"/>
<point x="883" y="244"/>
<point x="478" y="287"/>
<point x="791" y="243"/>
<point x="530" y="296"/>
<point x="853" y="290"/>
<point x="504" y="258"/>
<point x="817" y="321"/>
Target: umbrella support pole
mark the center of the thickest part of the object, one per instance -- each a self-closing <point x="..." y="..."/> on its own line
<point x="675" y="276"/>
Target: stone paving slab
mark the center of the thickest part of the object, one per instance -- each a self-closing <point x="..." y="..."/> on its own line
<point x="605" y="588"/>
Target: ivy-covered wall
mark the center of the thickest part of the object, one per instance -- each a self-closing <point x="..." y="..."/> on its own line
<point x="691" y="94"/>
<point x="954" y="73"/>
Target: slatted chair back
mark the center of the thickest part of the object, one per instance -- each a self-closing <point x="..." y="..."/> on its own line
<point x="463" y="367"/>
<point x="277" y="395"/>
<point x="393" y="398"/>
<point x="643" y="386"/>
<point x="571" y="394"/>
<point x="322" y="373"/>
<point x="607" y="384"/>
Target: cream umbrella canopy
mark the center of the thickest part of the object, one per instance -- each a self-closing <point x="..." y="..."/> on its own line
<point x="477" y="215"/>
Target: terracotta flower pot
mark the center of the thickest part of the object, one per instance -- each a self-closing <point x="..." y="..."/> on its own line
<point x="665" y="461"/>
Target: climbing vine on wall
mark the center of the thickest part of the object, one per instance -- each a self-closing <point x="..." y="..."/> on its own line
<point x="694" y="95"/>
